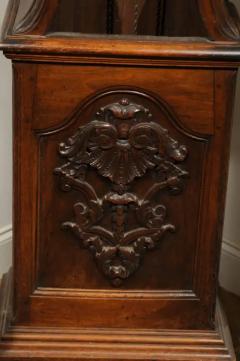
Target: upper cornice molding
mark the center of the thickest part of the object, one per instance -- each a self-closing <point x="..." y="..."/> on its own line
<point x="29" y="37"/>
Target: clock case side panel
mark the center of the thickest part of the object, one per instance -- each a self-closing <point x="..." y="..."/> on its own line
<point x="24" y="186"/>
<point x="26" y="304"/>
<point x="215" y="195"/>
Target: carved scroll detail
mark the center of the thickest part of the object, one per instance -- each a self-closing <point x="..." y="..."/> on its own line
<point x="221" y="19"/>
<point x="122" y="144"/>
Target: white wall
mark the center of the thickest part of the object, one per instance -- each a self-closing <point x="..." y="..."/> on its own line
<point x="230" y="262"/>
<point x="5" y="156"/>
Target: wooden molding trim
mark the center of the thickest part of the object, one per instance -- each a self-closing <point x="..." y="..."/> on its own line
<point x="117" y="50"/>
<point x="23" y="342"/>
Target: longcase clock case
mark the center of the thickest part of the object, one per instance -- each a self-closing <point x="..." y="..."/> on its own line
<point x="121" y="148"/>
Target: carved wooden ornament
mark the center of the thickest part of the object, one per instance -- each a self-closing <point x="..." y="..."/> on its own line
<point x="122" y="143"/>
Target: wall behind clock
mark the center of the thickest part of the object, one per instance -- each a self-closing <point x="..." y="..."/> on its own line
<point x="5" y="156"/>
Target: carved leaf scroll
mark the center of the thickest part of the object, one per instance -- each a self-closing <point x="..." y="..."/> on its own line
<point x="122" y="144"/>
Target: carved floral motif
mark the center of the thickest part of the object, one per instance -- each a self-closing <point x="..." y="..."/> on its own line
<point x="122" y="144"/>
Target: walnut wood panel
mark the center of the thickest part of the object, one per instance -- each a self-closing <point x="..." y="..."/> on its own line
<point x="174" y="86"/>
<point x="61" y="275"/>
<point x="126" y="188"/>
<point x="70" y="16"/>
<point x="187" y="21"/>
<point x="122" y="143"/>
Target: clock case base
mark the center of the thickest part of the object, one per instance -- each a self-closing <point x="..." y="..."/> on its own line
<point x="61" y="344"/>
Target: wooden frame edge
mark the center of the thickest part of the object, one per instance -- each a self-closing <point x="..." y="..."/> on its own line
<point x="63" y="344"/>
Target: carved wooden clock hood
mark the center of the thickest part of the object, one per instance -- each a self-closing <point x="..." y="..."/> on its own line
<point x="122" y="122"/>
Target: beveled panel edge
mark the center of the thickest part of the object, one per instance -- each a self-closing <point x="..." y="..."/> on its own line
<point x="192" y="294"/>
<point x="167" y="110"/>
<point x="114" y="294"/>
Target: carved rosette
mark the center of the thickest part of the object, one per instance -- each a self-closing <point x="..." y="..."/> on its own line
<point x="122" y="144"/>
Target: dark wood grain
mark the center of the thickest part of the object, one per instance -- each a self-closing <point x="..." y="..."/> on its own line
<point x="121" y="150"/>
<point x="168" y="18"/>
<point x="219" y="19"/>
<point x="122" y="142"/>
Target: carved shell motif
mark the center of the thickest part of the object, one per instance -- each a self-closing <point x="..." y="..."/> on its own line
<point x="121" y="150"/>
<point x="122" y="143"/>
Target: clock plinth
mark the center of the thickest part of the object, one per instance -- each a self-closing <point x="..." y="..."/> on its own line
<point x="61" y="344"/>
<point x="121" y="146"/>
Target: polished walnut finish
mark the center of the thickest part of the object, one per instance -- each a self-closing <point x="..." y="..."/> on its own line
<point x="121" y="148"/>
<point x="123" y="143"/>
